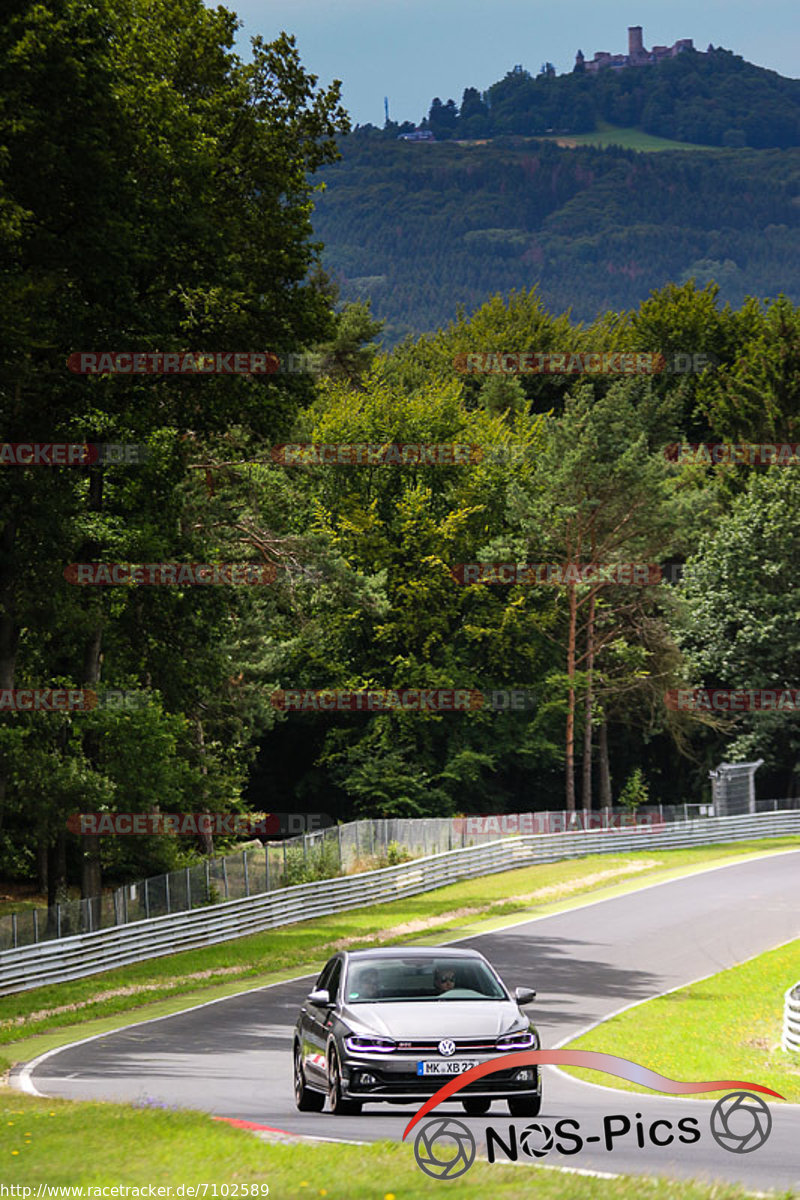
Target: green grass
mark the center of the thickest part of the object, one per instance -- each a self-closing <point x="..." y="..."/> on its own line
<point x="30" y="1026"/>
<point x="629" y="138"/>
<point x="13" y="905"/>
<point x="66" y="1143"/>
<point x="725" y="1027"/>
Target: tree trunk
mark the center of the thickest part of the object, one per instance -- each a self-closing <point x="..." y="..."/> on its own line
<point x="91" y="871"/>
<point x="41" y="867"/>
<point x="605" y="773"/>
<point x="207" y="839"/>
<point x="587" y="731"/>
<point x="570" y="738"/>
<point x="9" y="630"/>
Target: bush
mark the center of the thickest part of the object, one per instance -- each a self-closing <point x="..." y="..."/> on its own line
<point x="319" y="862"/>
<point x="635" y="791"/>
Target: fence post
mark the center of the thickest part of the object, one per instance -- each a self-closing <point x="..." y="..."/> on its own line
<point x="305" y="850"/>
<point x="146" y="900"/>
<point x="58" y="920"/>
<point x="125" y="904"/>
<point x="284" y="862"/>
<point x="166" y="888"/>
<point x="339" y="841"/>
<point x="208" y="882"/>
<point x="266" y="866"/>
<point x="35" y="925"/>
<point x="246" y="875"/>
<point x="685" y="812"/>
<point x="372" y="838"/>
<point x="224" y="875"/>
<point x="188" y="889"/>
<point x="88" y="904"/>
<point x="14" y="928"/>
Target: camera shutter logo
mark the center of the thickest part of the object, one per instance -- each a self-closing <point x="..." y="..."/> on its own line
<point x="447" y="1047"/>
<point x="444" y="1148"/>
<point x="741" y="1122"/>
<point x="536" y="1140"/>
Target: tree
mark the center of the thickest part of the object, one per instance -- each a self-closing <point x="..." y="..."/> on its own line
<point x="601" y="498"/>
<point x="155" y="195"/>
<point x="738" y="628"/>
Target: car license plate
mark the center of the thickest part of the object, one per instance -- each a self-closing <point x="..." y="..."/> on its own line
<point x="433" y="1067"/>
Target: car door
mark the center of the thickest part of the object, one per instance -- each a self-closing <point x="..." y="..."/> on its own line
<point x="317" y="1024"/>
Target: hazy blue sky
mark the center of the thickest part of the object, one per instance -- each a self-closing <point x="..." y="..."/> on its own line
<point x="413" y="50"/>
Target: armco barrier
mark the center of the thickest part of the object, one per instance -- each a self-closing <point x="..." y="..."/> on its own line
<point x="791" y="1020"/>
<point x="90" y="953"/>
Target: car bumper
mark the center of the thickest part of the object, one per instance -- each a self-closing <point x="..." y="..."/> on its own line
<point x="370" y="1077"/>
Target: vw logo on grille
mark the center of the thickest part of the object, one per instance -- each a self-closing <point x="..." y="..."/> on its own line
<point x="447" y="1047"/>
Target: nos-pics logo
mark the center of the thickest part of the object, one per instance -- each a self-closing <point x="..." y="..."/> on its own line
<point x="445" y="1148"/>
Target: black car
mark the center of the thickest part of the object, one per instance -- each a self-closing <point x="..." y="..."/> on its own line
<point x="393" y="1025"/>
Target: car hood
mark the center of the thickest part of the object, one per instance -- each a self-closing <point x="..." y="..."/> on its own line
<point x="423" y="1019"/>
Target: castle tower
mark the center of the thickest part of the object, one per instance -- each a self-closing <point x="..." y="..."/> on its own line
<point x="635" y="45"/>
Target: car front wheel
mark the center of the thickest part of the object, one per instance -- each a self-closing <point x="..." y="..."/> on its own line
<point x="524" y="1106"/>
<point x="304" y="1098"/>
<point x="336" y="1102"/>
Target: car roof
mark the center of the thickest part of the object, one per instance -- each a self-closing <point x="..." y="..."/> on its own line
<point x="411" y="952"/>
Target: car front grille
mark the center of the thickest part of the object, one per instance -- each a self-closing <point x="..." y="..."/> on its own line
<point x="462" y="1046"/>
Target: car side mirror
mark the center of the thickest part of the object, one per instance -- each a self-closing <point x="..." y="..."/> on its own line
<point x="320" y="997"/>
<point x="524" y="995"/>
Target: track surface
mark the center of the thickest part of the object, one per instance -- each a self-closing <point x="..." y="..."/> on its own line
<point x="232" y="1057"/>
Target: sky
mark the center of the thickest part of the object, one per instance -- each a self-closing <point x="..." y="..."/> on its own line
<point x="413" y="50"/>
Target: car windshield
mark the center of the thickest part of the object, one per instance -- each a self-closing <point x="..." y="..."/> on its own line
<point x="428" y="979"/>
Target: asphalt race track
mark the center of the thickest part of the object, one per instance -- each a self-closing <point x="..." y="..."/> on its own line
<point x="232" y="1057"/>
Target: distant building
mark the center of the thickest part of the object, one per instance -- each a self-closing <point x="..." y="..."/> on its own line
<point x="638" y="55"/>
<point x="418" y="135"/>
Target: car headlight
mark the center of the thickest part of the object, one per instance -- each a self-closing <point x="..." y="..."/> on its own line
<point x="369" y="1045"/>
<point x="524" y="1040"/>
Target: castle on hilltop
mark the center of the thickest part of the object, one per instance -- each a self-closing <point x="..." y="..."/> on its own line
<point x="637" y="55"/>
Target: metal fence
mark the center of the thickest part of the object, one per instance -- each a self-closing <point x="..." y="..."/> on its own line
<point x="791" y="1020"/>
<point x="82" y="954"/>
<point x="323" y="854"/>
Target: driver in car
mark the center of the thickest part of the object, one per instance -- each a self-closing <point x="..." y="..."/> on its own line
<point x="369" y="984"/>
<point x="444" y="980"/>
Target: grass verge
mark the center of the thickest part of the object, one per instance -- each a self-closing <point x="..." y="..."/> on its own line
<point x="725" y="1027"/>
<point x="47" y="1141"/>
<point x="36" y="1021"/>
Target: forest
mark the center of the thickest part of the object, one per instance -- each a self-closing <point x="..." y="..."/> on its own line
<point x="413" y="226"/>
<point x="200" y="239"/>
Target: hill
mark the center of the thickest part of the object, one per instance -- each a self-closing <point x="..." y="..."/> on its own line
<point x="421" y="228"/>
<point x="712" y="98"/>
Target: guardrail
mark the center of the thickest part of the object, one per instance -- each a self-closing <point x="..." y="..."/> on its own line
<point x="791" y="1020"/>
<point x="346" y="849"/>
<point x="90" y="953"/>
